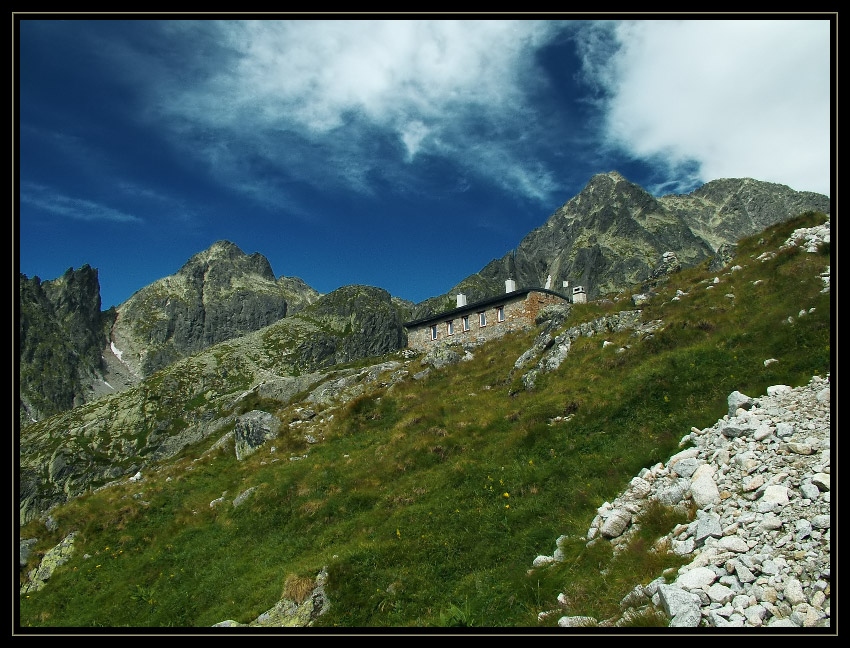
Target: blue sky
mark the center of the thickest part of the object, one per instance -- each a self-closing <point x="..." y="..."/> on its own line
<point x="401" y="154"/>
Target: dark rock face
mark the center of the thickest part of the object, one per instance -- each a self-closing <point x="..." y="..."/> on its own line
<point x="217" y="295"/>
<point x="356" y="322"/>
<point x="723" y="211"/>
<point x="253" y="430"/>
<point x="61" y="331"/>
<point x="614" y="234"/>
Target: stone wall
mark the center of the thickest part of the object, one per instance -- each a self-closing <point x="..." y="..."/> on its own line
<point x="520" y="313"/>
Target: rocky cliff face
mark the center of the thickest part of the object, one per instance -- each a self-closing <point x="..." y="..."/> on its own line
<point x="61" y="331"/>
<point x="723" y="211"/>
<point x="614" y="234"/>
<point x="217" y="295"/>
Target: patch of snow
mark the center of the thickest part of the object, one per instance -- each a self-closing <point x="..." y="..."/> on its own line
<point x="116" y="350"/>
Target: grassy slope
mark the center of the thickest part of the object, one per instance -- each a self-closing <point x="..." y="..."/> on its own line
<point x="429" y="503"/>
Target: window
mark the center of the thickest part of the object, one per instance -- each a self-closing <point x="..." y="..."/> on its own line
<point x="482" y="319"/>
<point x="450" y="327"/>
<point x="501" y="313"/>
<point x="434" y="332"/>
<point x="465" y="321"/>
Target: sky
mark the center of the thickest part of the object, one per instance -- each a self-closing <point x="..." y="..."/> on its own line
<point x="404" y="154"/>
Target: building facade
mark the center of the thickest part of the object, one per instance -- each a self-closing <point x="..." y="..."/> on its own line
<point x="483" y="320"/>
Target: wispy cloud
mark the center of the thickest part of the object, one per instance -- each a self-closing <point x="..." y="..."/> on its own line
<point x="48" y="200"/>
<point x="349" y="103"/>
<point x="733" y="98"/>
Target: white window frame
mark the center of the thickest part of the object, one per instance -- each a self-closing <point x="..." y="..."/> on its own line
<point x="433" y="331"/>
<point x="482" y="319"/>
<point x="450" y="327"/>
<point x="465" y="321"/>
<point x="500" y="314"/>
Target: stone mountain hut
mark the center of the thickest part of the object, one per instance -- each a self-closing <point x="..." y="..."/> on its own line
<point x="484" y="320"/>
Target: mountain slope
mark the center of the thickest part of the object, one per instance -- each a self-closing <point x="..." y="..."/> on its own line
<point x="189" y="400"/>
<point x="613" y="235"/>
<point x="427" y="500"/>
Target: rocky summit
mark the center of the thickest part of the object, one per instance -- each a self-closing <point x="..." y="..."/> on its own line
<point x="614" y="234"/>
<point x="217" y="295"/>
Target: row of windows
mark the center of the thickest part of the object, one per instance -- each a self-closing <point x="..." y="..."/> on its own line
<point x="482" y="321"/>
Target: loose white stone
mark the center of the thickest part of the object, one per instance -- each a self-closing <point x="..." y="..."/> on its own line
<point x="774" y="497"/>
<point x="704" y="490"/>
<point x="776" y="390"/>
<point x="720" y="593"/>
<point x="820" y="522"/>
<point x="542" y="561"/>
<point x="616" y="523"/>
<point x="753" y="483"/>
<point x="821" y="480"/>
<point x="794" y="592"/>
<point x="577" y="622"/>
<point x="733" y="543"/>
<point x="697" y="578"/>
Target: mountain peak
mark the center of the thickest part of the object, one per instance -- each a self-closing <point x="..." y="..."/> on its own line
<point x="219" y="250"/>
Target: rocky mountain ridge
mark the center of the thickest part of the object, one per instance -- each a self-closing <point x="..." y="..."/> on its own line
<point x="70" y="353"/>
<point x="613" y="234"/>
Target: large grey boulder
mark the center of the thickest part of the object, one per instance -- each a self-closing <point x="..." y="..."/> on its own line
<point x="681" y="606"/>
<point x="441" y="356"/>
<point x="253" y="430"/>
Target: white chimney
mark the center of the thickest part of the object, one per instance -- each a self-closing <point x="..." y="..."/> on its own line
<point x="566" y="284"/>
<point x="461" y="300"/>
<point x="579" y="295"/>
<point x="510" y="285"/>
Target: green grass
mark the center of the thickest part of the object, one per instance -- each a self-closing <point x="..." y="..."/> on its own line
<point x="428" y="502"/>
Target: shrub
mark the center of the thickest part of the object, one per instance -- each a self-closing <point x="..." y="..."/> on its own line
<point x="297" y="588"/>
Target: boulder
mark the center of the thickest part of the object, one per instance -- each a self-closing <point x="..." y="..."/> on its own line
<point x="253" y="430"/>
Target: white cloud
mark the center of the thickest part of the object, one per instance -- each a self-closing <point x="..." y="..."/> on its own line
<point x="740" y="98"/>
<point x="331" y="101"/>
<point x="50" y="201"/>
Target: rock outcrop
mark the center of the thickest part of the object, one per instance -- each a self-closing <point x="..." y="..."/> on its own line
<point x="296" y="609"/>
<point x="59" y="555"/>
<point x="550" y="351"/>
<point x="252" y="431"/>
